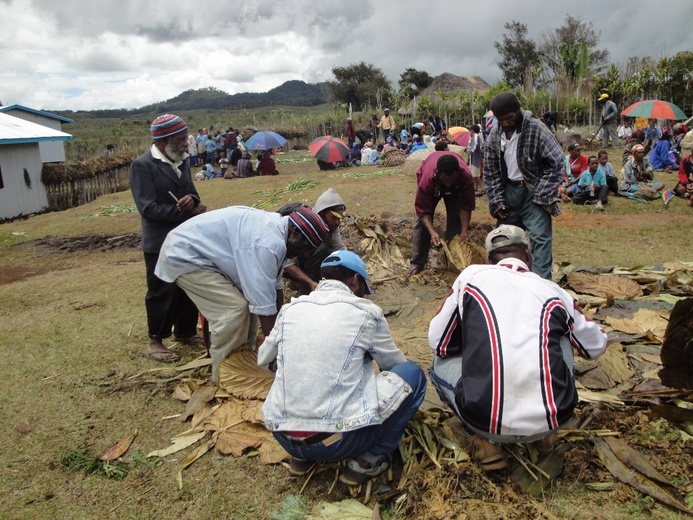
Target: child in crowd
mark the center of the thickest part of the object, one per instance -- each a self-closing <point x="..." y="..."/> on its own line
<point x="605" y="166"/>
<point x="404" y="137"/>
<point x="223" y="163"/>
<point x="592" y="185"/>
<point x="475" y="156"/>
<point x="684" y="188"/>
<point x="375" y="154"/>
<point x="208" y="169"/>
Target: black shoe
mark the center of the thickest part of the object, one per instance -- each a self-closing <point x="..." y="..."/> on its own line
<point x="300" y="467"/>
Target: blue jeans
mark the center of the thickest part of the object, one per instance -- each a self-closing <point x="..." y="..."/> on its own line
<point x="534" y="219"/>
<point x="379" y="439"/>
<point x="446" y="372"/>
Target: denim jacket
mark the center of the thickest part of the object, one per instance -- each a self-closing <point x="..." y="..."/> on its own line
<point x="324" y="345"/>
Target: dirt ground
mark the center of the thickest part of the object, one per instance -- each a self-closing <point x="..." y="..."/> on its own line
<point x="82" y="286"/>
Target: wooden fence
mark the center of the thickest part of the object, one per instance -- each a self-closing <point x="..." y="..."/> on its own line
<point x="75" y="192"/>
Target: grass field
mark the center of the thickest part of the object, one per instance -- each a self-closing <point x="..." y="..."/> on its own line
<point x="72" y="324"/>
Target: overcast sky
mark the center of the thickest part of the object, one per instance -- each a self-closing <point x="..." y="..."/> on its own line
<point x="95" y="54"/>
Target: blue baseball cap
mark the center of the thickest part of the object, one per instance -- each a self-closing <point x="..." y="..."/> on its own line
<point x="350" y="261"/>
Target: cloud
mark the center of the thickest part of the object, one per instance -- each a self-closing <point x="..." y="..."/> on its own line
<point x="87" y="54"/>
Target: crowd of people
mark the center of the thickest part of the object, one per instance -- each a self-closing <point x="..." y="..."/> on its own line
<point x="501" y="338"/>
<point x="224" y="154"/>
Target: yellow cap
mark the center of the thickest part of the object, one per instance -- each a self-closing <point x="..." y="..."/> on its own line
<point x="603" y="97"/>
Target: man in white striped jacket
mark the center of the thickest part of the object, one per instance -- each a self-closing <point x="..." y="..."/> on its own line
<point x="503" y="341"/>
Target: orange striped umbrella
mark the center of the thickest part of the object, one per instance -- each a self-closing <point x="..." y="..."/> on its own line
<point x="459" y="135"/>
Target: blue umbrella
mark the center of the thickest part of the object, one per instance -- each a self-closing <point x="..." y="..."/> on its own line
<point x="265" y="140"/>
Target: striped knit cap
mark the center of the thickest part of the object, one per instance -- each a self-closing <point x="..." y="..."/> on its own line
<point x="310" y="225"/>
<point x="167" y="125"/>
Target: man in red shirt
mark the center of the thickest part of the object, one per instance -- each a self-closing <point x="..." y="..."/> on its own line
<point x="442" y="175"/>
<point x="351" y="132"/>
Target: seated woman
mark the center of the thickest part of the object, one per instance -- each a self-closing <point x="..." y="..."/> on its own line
<point x="244" y="168"/>
<point x="659" y="158"/>
<point x="418" y="145"/>
<point x="684" y="188"/>
<point x="236" y="155"/>
<point x="366" y="153"/>
<point x="575" y="164"/>
<point x="355" y="154"/>
<point x="637" y="137"/>
<point x="638" y="176"/>
<point x="267" y="166"/>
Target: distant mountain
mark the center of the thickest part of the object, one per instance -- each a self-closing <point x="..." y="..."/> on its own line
<point x="291" y="93"/>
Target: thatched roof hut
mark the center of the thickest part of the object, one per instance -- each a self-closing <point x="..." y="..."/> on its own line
<point x="448" y="83"/>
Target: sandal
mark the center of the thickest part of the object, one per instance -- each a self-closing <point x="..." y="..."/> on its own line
<point x="162" y="356"/>
<point x="413" y="270"/>
<point x="355" y="475"/>
<point x="488" y="455"/>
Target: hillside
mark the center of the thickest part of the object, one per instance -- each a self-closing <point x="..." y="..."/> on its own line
<point x="290" y="93"/>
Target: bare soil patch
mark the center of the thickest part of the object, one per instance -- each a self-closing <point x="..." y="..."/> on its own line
<point x="607" y="220"/>
<point x="89" y="243"/>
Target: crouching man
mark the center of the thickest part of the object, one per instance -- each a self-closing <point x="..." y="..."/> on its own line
<point x="327" y="403"/>
<point x="503" y="341"/>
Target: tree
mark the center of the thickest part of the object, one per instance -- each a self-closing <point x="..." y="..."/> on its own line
<point x="519" y="54"/>
<point x="677" y="82"/>
<point x="414" y="81"/>
<point x="358" y="84"/>
<point x="570" y="51"/>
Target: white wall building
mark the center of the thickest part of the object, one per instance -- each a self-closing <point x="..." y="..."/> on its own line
<point x="51" y="151"/>
<point x="21" y="189"/>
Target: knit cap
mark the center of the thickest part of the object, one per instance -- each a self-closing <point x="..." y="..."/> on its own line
<point x="311" y="226"/>
<point x="327" y="200"/>
<point x="167" y="125"/>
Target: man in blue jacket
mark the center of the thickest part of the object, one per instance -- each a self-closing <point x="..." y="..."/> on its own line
<point x="327" y="403"/>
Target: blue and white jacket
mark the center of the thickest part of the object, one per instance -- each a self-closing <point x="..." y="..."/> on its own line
<point x="323" y="346"/>
<point x="512" y="331"/>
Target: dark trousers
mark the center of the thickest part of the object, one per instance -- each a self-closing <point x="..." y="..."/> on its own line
<point x="600" y="193"/>
<point x="168" y="306"/>
<point x="421" y="238"/>
<point x="612" y="183"/>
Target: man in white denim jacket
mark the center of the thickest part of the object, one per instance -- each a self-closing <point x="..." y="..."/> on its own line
<point x="327" y="403"/>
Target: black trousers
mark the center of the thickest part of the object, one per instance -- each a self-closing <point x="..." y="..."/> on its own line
<point x="421" y="238"/>
<point x="601" y="193"/>
<point x="168" y="306"/>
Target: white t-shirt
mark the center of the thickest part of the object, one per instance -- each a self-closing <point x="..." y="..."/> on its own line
<point x="509" y="147"/>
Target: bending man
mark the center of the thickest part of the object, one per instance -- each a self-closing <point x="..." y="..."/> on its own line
<point x="229" y="262"/>
<point x="503" y="341"/>
<point x="442" y="175"/>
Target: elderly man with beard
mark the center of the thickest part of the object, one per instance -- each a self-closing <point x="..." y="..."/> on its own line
<point x="229" y="262"/>
<point x="165" y="197"/>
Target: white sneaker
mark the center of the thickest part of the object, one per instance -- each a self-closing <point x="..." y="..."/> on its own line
<point x="599" y="205"/>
